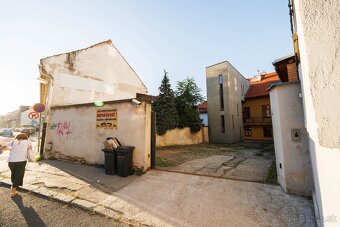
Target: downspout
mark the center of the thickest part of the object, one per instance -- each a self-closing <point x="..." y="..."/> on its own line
<point x="294" y="36"/>
<point x="46" y="113"/>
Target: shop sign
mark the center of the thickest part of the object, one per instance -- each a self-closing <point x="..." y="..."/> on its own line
<point x="107" y="118"/>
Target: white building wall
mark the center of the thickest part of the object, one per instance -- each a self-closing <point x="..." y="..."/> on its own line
<point x="82" y="140"/>
<point x="96" y="73"/>
<point x="318" y="24"/>
<point x="292" y="155"/>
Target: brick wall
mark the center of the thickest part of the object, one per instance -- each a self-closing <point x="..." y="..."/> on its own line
<point x="292" y="73"/>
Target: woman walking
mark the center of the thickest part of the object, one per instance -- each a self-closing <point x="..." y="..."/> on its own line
<point x="19" y="153"/>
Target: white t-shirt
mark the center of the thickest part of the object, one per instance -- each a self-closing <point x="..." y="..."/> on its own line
<point x="18" y="153"/>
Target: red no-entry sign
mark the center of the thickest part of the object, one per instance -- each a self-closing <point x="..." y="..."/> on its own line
<point x="33" y="115"/>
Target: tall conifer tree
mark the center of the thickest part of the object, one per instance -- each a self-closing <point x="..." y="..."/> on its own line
<point x="166" y="113"/>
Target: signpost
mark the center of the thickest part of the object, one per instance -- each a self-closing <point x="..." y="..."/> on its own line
<point x="39" y="108"/>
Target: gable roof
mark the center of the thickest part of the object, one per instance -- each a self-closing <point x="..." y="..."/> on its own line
<point x="259" y="88"/>
<point x="107" y="42"/>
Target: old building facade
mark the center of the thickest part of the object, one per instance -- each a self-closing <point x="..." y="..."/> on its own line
<point x="257" y="118"/>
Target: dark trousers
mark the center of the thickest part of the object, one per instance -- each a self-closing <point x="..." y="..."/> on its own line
<point x="17" y="173"/>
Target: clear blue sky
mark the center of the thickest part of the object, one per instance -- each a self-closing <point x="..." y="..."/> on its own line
<point x="180" y="36"/>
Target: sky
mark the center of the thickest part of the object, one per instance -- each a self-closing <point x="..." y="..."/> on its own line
<point x="181" y="36"/>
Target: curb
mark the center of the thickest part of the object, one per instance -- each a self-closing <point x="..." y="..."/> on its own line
<point x="83" y="204"/>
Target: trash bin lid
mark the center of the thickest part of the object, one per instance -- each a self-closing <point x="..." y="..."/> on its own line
<point x="107" y="150"/>
<point x="125" y="147"/>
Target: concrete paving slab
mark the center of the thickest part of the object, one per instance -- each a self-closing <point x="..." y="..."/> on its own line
<point x="251" y="169"/>
<point x="212" y="162"/>
<point x="188" y="200"/>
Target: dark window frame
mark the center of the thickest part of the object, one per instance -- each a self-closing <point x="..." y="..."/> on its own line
<point x="246" y="112"/>
<point x="267" y="131"/>
<point x="222" y="124"/>
<point x="266" y="111"/>
<point x="248" y="131"/>
<point x="220" y="81"/>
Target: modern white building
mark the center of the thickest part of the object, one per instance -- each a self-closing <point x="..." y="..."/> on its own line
<point x="226" y="88"/>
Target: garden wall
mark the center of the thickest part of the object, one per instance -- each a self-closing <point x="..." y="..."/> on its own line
<point x="182" y="137"/>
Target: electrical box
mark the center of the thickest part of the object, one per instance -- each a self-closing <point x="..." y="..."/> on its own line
<point x="296" y="135"/>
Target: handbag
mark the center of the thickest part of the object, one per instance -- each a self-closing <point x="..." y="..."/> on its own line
<point x="30" y="155"/>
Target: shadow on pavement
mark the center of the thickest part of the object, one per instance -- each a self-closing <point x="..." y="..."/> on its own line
<point x="31" y="217"/>
<point x="95" y="176"/>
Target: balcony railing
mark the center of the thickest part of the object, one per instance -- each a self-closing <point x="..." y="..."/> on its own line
<point x="257" y="121"/>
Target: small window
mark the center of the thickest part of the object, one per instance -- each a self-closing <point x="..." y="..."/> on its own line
<point x="232" y="119"/>
<point x="246" y="112"/>
<point x="220" y="78"/>
<point x="267" y="131"/>
<point x="266" y="111"/>
<point x="222" y="124"/>
<point x="247" y="131"/>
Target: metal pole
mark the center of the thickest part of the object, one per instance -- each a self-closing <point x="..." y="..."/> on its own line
<point x="39" y="135"/>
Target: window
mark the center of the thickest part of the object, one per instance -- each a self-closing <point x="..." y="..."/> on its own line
<point x="222" y="124"/>
<point x="220" y="80"/>
<point x="266" y="111"/>
<point x="232" y="119"/>
<point x="246" y="112"/>
<point x="267" y="131"/>
<point x="247" y="131"/>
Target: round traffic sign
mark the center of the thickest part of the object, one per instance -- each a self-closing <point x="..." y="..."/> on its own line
<point x="33" y="115"/>
<point x="39" y="107"/>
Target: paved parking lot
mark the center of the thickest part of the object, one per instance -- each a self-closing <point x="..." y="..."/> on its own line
<point x="241" y="161"/>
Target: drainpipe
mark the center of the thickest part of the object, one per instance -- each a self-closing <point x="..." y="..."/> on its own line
<point x="45" y="114"/>
<point x="294" y="36"/>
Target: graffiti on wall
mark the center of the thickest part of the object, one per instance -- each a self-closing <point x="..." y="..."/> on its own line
<point x="63" y="128"/>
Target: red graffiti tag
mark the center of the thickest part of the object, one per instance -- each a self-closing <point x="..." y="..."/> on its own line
<point x="63" y="128"/>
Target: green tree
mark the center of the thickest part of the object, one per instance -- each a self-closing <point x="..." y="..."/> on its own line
<point x="188" y="96"/>
<point x="165" y="108"/>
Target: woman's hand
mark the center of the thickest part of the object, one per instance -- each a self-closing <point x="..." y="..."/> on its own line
<point x="4" y="148"/>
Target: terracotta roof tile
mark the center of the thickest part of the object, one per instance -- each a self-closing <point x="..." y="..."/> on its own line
<point x="259" y="88"/>
<point x="203" y="107"/>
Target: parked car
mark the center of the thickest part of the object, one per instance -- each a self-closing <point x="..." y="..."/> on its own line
<point x="6" y="132"/>
<point x="17" y="130"/>
<point x="28" y="131"/>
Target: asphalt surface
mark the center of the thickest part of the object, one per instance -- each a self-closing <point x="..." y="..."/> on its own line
<point x="30" y="210"/>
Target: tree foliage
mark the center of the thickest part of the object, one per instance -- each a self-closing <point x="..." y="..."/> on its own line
<point x="166" y="113"/>
<point x="188" y="96"/>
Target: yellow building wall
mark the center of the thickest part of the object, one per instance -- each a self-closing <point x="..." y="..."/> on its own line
<point x="257" y="134"/>
<point x="255" y="106"/>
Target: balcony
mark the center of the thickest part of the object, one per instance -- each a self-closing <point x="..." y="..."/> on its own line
<point x="257" y="121"/>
